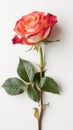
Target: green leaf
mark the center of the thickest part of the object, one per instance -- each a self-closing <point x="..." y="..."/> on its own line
<point x="37" y="76"/>
<point x="33" y="92"/>
<point x="49" y="85"/>
<point x="25" y="70"/>
<point x="14" y="86"/>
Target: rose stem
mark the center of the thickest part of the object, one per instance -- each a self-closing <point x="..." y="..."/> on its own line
<point x="41" y="94"/>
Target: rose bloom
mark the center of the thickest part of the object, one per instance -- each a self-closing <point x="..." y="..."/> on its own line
<point x="33" y="28"/>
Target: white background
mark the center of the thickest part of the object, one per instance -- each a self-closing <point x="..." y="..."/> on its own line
<point x="16" y="112"/>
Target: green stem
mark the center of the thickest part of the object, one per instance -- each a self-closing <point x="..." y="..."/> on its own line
<point x="41" y="62"/>
<point x="41" y="56"/>
<point x="41" y="94"/>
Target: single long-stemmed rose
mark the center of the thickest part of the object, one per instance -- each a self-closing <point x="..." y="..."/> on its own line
<point x="33" y="29"/>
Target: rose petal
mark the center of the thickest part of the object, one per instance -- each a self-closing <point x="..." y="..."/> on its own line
<point x="16" y="40"/>
<point x="46" y="33"/>
<point x="52" y="19"/>
<point x="36" y="37"/>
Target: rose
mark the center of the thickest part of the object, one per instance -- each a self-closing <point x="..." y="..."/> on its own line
<point x="33" y="28"/>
